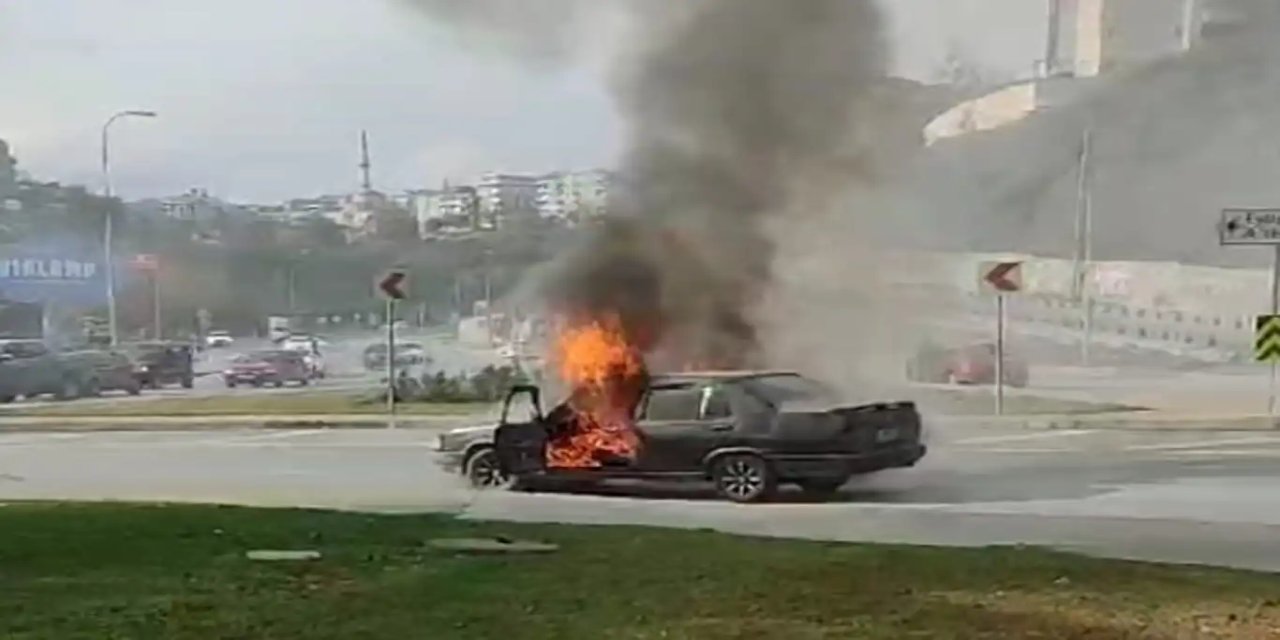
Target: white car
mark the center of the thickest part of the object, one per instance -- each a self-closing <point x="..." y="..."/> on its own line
<point x="302" y="342"/>
<point x="217" y="339"/>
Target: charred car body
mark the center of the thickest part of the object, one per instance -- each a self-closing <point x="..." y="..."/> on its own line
<point x="746" y="432"/>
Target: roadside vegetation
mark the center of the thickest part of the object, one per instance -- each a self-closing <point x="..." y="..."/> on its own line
<point x="180" y="572"/>
<point x="261" y="404"/>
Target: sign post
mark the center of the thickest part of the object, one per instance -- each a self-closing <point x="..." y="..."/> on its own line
<point x="1001" y="279"/>
<point x="391" y="287"/>
<point x="150" y="264"/>
<point x="1259" y="227"/>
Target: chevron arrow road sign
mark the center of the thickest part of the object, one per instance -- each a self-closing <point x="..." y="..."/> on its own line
<point x="1266" y="343"/>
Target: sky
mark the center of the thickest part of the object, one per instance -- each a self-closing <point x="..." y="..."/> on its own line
<point x="262" y="100"/>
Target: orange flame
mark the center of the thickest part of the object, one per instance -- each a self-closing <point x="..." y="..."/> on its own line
<point x="607" y="375"/>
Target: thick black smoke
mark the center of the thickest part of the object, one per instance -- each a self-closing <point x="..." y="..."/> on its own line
<point x="740" y="111"/>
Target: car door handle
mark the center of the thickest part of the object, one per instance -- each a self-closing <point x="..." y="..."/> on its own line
<point x="724" y="426"/>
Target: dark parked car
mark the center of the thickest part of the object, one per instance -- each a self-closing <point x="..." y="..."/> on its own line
<point x="275" y="368"/>
<point x="968" y="365"/>
<point x="110" y="371"/>
<point x="29" y="368"/>
<point x="163" y="363"/>
<point x="746" y="432"/>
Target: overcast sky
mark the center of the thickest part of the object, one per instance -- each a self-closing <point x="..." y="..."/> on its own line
<point x="262" y="100"/>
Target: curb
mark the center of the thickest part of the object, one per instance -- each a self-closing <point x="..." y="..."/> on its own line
<point x="1136" y="421"/>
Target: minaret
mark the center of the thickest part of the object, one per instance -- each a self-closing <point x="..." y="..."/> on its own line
<point x="366" y="179"/>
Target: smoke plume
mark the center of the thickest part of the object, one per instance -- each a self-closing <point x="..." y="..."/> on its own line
<point x="741" y="114"/>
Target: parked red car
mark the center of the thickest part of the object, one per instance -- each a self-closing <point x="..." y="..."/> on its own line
<point x="262" y="368"/>
<point x="969" y="365"/>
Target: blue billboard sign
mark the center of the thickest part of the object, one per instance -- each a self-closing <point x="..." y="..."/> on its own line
<point x="55" y="273"/>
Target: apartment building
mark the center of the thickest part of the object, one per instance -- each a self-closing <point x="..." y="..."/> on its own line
<point x="574" y="195"/>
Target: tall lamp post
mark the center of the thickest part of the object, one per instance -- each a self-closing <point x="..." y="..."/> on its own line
<point x="107" y="233"/>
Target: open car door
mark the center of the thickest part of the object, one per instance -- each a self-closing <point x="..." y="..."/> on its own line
<point x="521" y="438"/>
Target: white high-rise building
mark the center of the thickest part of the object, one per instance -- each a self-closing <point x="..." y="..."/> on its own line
<point x="503" y="196"/>
<point x="574" y="195"/>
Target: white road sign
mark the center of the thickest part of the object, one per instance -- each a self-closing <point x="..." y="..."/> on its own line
<point x="1000" y="277"/>
<point x="1250" y="226"/>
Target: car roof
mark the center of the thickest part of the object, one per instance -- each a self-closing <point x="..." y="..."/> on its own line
<point x="697" y="377"/>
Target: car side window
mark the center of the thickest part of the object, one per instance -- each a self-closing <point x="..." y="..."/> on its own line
<point x="677" y="404"/>
<point x="29" y="350"/>
<point x="715" y="404"/>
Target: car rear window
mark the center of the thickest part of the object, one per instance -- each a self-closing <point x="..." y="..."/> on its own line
<point x="779" y="389"/>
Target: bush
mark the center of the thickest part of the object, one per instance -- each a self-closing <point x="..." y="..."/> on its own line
<point x="491" y="384"/>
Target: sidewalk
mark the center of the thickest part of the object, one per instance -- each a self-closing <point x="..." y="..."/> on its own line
<point x="317" y="421"/>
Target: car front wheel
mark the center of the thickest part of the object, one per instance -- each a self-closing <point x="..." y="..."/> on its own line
<point x="744" y="478"/>
<point x="483" y="471"/>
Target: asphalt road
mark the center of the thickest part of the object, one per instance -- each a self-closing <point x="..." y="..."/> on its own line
<point x="343" y="359"/>
<point x="1182" y="497"/>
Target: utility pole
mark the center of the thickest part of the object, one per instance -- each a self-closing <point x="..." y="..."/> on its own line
<point x="108" y="231"/>
<point x="1084" y="244"/>
<point x="1054" y="38"/>
<point x="366" y="167"/>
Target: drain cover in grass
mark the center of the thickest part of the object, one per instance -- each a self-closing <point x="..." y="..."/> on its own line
<point x="268" y="555"/>
<point x="491" y="545"/>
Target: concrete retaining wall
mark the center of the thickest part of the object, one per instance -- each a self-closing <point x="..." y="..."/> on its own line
<point x="1207" y="335"/>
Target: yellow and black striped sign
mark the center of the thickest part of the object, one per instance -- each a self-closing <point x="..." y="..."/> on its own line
<point x="1266" y="339"/>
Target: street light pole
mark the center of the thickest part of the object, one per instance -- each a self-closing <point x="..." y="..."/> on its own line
<point x="108" y="238"/>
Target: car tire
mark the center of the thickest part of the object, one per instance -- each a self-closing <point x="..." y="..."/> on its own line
<point x="92" y="389"/>
<point x="278" y="383"/>
<point x="305" y="382"/>
<point x="231" y="384"/>
<point x="134" y="389"/>
<point x="483" y="472"/>
<point x="743" y="478"/>
<point x="7" y="399"/>
<point x="822" y="487"/>
<point x="69" y="389"/>
<point x="188" y="383"/>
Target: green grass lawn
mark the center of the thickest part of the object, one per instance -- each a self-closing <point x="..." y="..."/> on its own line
<point x="114" y="572"/>
<point x="318" y="403"/>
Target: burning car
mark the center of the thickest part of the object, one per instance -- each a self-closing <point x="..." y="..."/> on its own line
<point x="746" y="432"/>
<point x="968" y="365"/>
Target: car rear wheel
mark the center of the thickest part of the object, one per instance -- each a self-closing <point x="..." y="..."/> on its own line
<point x="134" y="389"/>
<point x="483" y="471"/>
<point x="70" y="389"/>
<point x="744" y="478"/>
<point x="822" y="486"/>
<point x="188" y="383"/>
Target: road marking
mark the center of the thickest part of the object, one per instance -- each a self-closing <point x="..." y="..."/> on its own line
<point x="248" y="437"/>
<point x="1240" y="453"/>
<point x="1026" y="450"/>
<point x="1024" y="437"/>
<point x="47" y="438"/>
<point x="278" y="435"/>
<point x="1202" y="444"/>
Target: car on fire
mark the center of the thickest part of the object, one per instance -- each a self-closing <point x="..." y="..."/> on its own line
<point x="973" y="364"/>
<point x="746" y="432"/>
